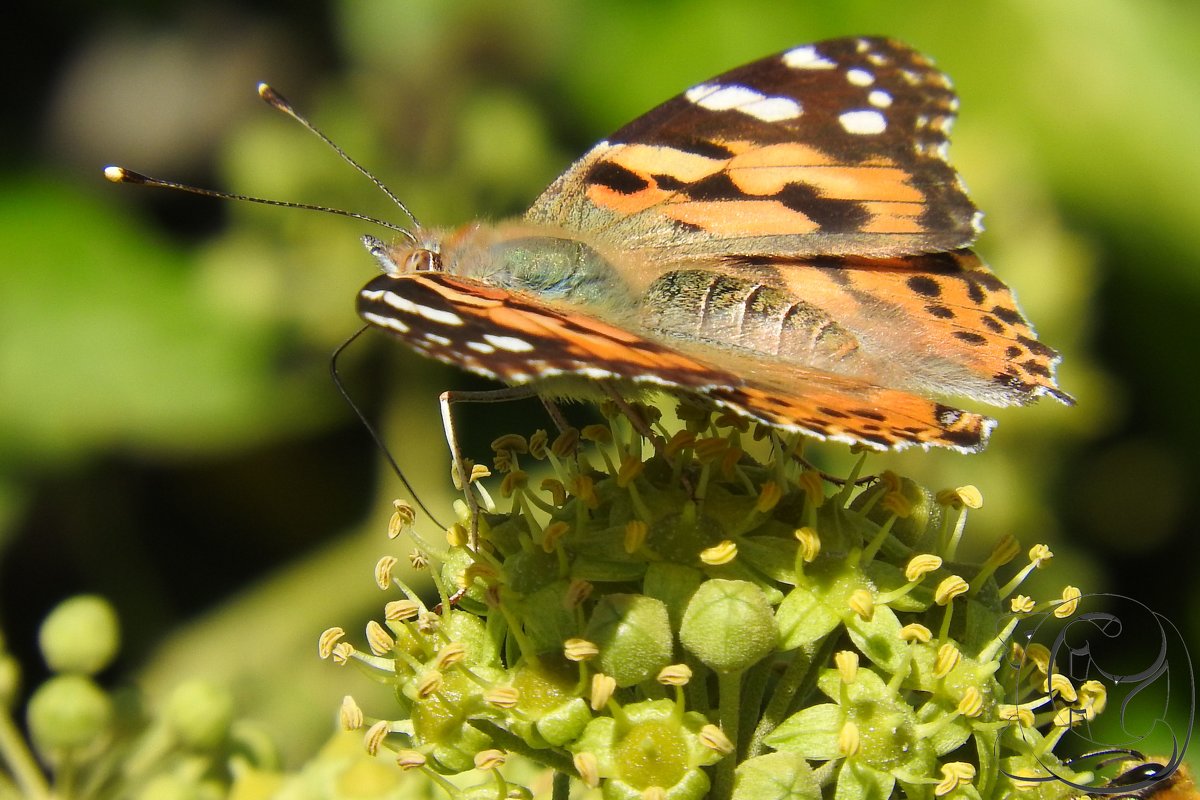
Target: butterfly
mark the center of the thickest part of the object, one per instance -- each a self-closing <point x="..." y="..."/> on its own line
<point x="786" y="240"/>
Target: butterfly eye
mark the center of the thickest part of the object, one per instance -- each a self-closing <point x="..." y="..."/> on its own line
<point x="422" y="260"/>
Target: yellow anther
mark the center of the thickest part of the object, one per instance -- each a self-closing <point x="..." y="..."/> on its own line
<point x="558" y="492"/>
<point x="921" y="565"/>
<point x="1022" y="604"/>
<point x="1071" y="596"/>
<point x="971" y="703"/>
<point x="409" y="759"/>
<point x="511" y="441"/>
<point x="580" y="650"/>
<point x="848" y="741"/>
<point x="350" y="716"/>
<point x="603" y="687"/>
<point x="490" y="759"/>
<point x="635" y="535"/>
<point x="401" y="610"/>
<point x="768" y="497"/>
<point x="1039" y="554"/>
<point x="949" y="589"/>
<point x="721" y="553"/>
<point x="675" y="675"/>
<point x="553" y="534"/>
<point x="378" y="639"/>
<point x="588" y="768"/>
<point x="373" y="738"/>
<point x="402" y="518"/>
<point x="383" y="571"/>
<point x="715" y="739"/>
<point x="846" y="662"/>
<point x="947" y="659"/>
<point x="328" y="639"/>
<point x="810" y="544"/>
<point x="916" y="632"/>
<point x="631" y="467"/>
<point x="862" y="603"/>
<point x="954" y="775"/>
<point x="517" y="479"/>
<point x="600" y="434"/>
<point x="502" y="697"/>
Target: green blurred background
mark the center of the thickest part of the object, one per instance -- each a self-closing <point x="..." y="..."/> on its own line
<point x="170" y="438"/>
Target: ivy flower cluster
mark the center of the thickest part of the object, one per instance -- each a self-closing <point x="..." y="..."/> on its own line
<point x="673" y="618"/>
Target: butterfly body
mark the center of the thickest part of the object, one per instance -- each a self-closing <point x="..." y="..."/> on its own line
<point x="786" y="240"/>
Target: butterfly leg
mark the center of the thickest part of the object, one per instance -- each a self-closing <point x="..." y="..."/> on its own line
<point x="445" y="399"/>
<point x="556" y="415"/>
<point x="643" y="429"/>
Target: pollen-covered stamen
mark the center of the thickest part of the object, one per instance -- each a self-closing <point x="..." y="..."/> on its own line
<point x="375" y="735"/>
<point x="378" y="639"/>
<point x="588" y="768"/>
<point x="383" y="571"/>
<point x="603" y="687"/>
<point x="577" y="649"/>
<point x="350" y="716"/>
<point x="1070" y="602"/>
<point x="719" y="554"/>
<point x="955" y="774"/>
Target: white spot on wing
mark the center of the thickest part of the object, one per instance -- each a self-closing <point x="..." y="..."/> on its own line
<point x="510" y="343"/>
<point x="806" y="57"/>
<point x="432" y="314"/>
<point x="743" y="99"/>
<point x="433" y="337"/>
<point x="480" y="347"/>
<point x="386" y="322"/>
<point x="860" y="77"/>
<point x="865" y="122"/>
<point x="879" y="98"/>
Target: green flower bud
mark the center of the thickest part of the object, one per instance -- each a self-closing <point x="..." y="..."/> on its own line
<point x="728" y="625"/>
<point x="68" y="712"/>
<point x="80" y="635"/>
<point x="199" y="714"/>
<point x="634" y="635"/>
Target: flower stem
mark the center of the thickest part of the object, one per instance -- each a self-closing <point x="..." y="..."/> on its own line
<point x="729" y="689"/>
<point x="22" y="763"/>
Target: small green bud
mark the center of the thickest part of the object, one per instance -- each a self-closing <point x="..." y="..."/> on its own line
<point x="68" y="712"/>
<point x="80" y="635"/>
<point x="199" y="714"/>
<point x="728" y="625"/>
<point x="633" y="633"/>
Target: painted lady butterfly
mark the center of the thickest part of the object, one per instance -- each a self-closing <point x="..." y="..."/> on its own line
<point x="786" y="241"/>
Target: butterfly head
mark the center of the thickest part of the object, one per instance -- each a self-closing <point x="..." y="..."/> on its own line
<point x="406" y="256"/>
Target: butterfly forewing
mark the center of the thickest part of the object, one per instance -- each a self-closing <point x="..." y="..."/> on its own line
<point x="833" y="148"/>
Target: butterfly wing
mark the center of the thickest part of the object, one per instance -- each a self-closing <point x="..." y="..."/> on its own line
<point x="836" y="148"/>
<point x="939" y="322"/>
<point x="519" y="339"/>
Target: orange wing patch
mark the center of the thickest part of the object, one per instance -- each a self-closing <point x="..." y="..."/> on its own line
<point x="945" y="320"/>
<point x="781" y="189"/>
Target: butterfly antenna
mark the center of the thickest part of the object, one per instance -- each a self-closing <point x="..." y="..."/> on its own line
<point x="280" y="103"/>
<point x="337" y="381"/>
<point x="122" y="175"/>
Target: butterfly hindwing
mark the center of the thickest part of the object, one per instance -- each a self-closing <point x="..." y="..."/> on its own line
<point x="521" y="340"/>
<point x="836" y="148"/>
